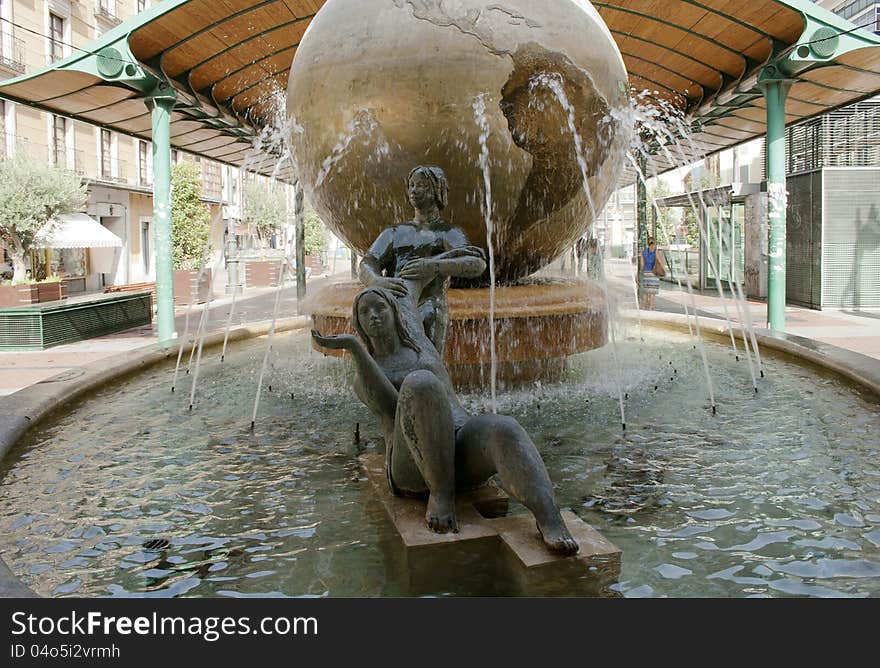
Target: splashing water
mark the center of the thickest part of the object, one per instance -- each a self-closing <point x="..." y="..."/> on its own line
<point x="363" y="125"/>
<point x="696" y="324"/>
<point x="483" y="123"/>
<point x="553" y="82"/>
<point x="663" y="126"/>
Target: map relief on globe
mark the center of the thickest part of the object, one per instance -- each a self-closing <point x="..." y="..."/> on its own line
<point x="379" y="86"/>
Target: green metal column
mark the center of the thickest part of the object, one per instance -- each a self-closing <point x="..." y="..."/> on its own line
<point x="774" y="94"/>
<point x="299" y="220"/>
<point x="161" y="103"/>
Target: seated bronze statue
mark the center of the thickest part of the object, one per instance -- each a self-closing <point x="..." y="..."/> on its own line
<point x="426" y="249"/>
<point x="433" y="446"/>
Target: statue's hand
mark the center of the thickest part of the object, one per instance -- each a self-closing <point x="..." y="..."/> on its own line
<point x="336" y="341"/>
<point x="463" y="251"/>
<point x="395" y="285"/>
<point x="420" y="269"/>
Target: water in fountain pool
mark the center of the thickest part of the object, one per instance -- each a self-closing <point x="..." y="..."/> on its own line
<point x="130" y="494"/>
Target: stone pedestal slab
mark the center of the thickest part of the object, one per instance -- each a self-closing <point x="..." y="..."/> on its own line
<point x="488" y="534"/>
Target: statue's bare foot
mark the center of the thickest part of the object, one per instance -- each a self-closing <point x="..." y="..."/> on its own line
<point x="440" y="516"/>
<point x="557" y="537"/>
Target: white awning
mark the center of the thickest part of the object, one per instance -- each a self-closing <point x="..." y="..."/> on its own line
<point x="76" y="230"/>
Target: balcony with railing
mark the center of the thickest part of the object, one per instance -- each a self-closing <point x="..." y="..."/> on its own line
<point x="107" y="11"/>
<point x="12" y="54"/>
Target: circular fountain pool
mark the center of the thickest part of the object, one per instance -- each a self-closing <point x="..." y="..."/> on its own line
<point x="130" y="494"/>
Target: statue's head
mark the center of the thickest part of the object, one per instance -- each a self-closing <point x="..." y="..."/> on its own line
<point x="375" y="313"/>
<point x="427" y="183"/>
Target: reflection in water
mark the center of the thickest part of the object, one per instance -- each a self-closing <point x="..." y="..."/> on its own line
<point x="130" y="494"/>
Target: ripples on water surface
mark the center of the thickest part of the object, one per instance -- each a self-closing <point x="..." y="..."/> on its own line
<point x="777" y="495"/>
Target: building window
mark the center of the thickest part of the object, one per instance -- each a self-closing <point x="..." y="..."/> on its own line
<point x="59" y="141"/>
<point x="212" y="181"/>
<point x="143" y="163"/>
<point x="145" y="245"/>
<point x="106" y="155"/>
<point x="141" y="5"/>
<point x="56" y="37"/>
<point x="175" y="156"/>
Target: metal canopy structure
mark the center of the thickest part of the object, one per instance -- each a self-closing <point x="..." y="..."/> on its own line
<point x="227" y="61"/>
<point x="205" y="76"/>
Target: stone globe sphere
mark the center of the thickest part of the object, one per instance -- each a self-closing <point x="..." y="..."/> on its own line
<point x="538" y="89"/>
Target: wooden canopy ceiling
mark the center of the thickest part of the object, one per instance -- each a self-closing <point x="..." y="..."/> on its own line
<point x="230" y="59"/>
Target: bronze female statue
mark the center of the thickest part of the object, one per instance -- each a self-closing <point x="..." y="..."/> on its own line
<point x="426" y="249"/>
<point x="433" y="446"/>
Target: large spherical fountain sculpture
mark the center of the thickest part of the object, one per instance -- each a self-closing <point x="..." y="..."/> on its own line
<point x="379" y="86"/>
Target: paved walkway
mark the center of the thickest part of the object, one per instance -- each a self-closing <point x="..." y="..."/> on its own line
<point x="855" y="330"/>
<point x="858" y="331"/>
<point x="21" y="369"/>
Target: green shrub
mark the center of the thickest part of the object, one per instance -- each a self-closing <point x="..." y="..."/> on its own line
<point x="190" y="217"/>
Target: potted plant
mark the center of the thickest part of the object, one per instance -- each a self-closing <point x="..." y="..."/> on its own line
<point x="51" y="289"/>
<point x="315" y="241"/>
<point x="26" y="292"/>
<point x="264" y="210"/>
<point x="190" y="226"/>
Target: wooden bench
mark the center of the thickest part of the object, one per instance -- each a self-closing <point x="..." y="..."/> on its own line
<point x="135" y="287"/>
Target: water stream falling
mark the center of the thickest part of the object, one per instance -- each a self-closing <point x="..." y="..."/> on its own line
<point x="675" y="273"/>
<point x="362" y="124"/>
<point x="635" y="286"/>
<point x="483" y="123"/>
<point x="699" y="334"/>
<point x="228" y="323"/>
<point x="657" y="122"/>
<point x="738" y="295"/>
<point x="553" y="82"/>
<point x="652" y="119"/>
<point x="202" y="332"/>
<point x="731" y="270"/>
<point x="702" y="347"/>
<point x="281" y="272"/>
<point x="192" y="301"/>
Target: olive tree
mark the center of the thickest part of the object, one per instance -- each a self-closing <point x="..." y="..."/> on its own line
<point x="264" y="207"/>
<point x="31" y="195"/>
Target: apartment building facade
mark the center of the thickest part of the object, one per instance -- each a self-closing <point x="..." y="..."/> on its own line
<point x="117" y="168"/>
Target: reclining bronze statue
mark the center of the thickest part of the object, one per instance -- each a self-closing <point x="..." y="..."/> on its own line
<point x="433" y="446"/>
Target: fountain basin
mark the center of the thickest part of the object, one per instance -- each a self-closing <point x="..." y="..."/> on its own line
<point x="777" y="495"/>
<point x="538" y="325"/>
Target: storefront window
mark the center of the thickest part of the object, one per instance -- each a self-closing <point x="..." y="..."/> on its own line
<point x="68" y="262"/>
<point x="61" y="262"/>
